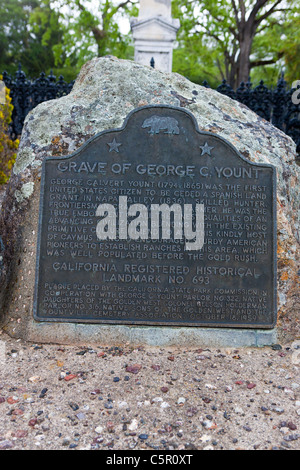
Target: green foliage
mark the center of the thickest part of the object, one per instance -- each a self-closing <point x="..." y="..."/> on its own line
<point x="61" y="35"/>
<point x="211" y="36"/>
<point x="90" y="31"/>
<point x="8" y="147"/>
<point x="14" y="15"/>
<point x="195" y="62"/>
<point x="28" y="31"/>
<point x="291" y="49"/>
<point x="281" y="41"/>
<point x="45" y="33"/>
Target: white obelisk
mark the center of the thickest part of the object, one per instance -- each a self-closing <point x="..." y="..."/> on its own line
<point x="154" y="33"/>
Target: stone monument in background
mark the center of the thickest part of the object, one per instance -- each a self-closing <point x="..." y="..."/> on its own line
<point x="154" y="33"/>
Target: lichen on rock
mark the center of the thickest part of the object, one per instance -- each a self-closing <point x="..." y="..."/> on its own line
<point x="25" y="191"/>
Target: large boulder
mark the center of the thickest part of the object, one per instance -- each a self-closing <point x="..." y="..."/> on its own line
<point x="105" y="91"/>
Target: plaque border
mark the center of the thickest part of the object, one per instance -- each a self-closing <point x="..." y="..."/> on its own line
<point x="171" y="324"/>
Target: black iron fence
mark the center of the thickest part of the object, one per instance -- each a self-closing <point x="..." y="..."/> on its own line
<point x="279" y="105"/>
<point x="27" y="94"/>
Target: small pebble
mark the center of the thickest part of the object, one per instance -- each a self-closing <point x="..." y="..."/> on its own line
<point x="134" y="369"/>
<point x="181" y="401"/>
<point x="6" y="444"/>
<point x="43" y="392"/>
<point x="247" y="428"/>
<point x="66" y="442"/>
<point x="251" y="385"/>
<point x="276" y="347"/>
<point x="239" y="410"/>
<point x="74" y="406"/>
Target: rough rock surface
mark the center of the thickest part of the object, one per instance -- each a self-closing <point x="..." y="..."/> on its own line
<point x="106" y="90"/>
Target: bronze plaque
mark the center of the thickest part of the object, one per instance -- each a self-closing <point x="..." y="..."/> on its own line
<point x="157" y="223"/>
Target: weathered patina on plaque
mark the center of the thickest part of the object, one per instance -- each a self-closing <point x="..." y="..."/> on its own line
<point x="158" y="157"/>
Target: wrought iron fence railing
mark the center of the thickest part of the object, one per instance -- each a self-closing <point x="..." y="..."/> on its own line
<point x="273" y="104"/>
<point x="26" y="94"/>
<point x="277" y="105"/>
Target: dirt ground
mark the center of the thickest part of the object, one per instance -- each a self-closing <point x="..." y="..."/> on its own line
<point x="55" y="397"/>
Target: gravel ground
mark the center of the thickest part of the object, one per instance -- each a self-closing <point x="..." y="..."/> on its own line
<point x="114" y="398"/>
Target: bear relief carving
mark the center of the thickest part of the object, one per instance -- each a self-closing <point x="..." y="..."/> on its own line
<point x="160" y="123"/>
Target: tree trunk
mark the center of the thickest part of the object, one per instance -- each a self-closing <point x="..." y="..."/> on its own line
<point x="246" y="31"/>
<point x="100" y="37"/>
<point x="243" y="61"/>
<point x="232" y="75"/>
